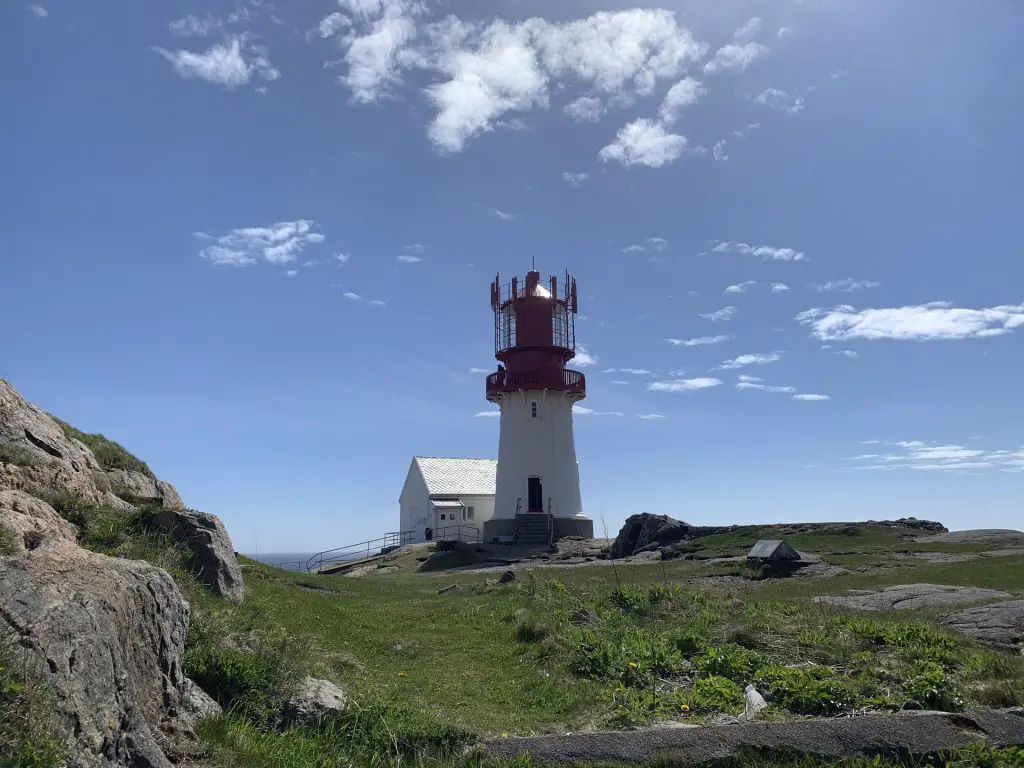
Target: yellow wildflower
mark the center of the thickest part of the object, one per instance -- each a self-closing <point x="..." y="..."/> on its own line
<point x="632" y="665"/>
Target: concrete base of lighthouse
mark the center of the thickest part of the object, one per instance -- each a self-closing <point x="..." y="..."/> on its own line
<point x="498" y="530"/>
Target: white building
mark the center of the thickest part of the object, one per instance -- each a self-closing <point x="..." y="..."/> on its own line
<point x="446" y="493"/>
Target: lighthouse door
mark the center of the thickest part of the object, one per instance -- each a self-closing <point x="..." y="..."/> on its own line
<point x="534" y="495"/>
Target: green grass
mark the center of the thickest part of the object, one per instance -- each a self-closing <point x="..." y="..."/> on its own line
<point x="109" y="454"/>
<point x="26" y="739"/>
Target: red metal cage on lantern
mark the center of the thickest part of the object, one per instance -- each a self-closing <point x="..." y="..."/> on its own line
<point x="534" y="335"/>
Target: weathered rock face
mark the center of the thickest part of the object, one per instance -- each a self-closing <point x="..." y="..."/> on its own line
<point x="911" y="597"/>
<point x="998" y="624"/>
<point x="36" y="456"/>
<point x="106" y="635"/>
<point x="212" y="554"/>
<point x="312" y="700"/>
<point x="646" y="531"/>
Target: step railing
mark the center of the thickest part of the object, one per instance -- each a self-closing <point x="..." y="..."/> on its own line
<point x="358" y="551"/>
<point x="467" y="533"/>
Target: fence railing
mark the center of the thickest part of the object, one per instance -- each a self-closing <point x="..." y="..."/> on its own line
<point x="356" y="551"/>
<point x="536" y="379"/>
<point x="467" y="533"/>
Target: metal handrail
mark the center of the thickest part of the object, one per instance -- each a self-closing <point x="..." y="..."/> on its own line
<point x="536" y="377"/>
<point x="461" y="533"/>
<point x="350" y="552"/>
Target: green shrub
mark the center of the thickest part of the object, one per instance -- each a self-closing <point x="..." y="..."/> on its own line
<point x="529" y="629"/>
<point x="640" y="599"/>
<point x="8" y="541"/>
<point x="689" y="643"/>
<point x="100" y="528"/>
<point x="26" y="740"/>
<point x="109" y="454"/>
<point x="730" y="661"/>
<point x="811" y="690"/>
<point x="631" y="657"/>
<point x="715" y="694"/>
<point x="929" y="685"/>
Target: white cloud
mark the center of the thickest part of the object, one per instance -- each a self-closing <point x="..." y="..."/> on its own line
<point x="582" y="410"/>
<point x="748" y="30"/>
<point x="585" y="109"/>
<point x="631" y="371"/>
<point x="700" y="341"/>
<point x="620" y="381"/>
<point x="38" y="11"/>
<point x="848" y="353"/>
<point x="740" y="287"/>
<point x="733" y="57"/>
<point x="480" y="370"/>
<point x="927" y="322"/>
<point x="408" y="258"/>
<point x="644" y="142"/>
<point x="649" y="416"/>
<point x="193" y="26"/>
<point x="342" y="258"/>
<point x="743" y="377"/>
<point x="766" y="252"/>
<point x="759" y="358"/>
<point x="333" y="23"/>
<point x="223" y="64"/>
<point x="846" y="285"/>
<point x="719" y="150"/>
<point x="683" y="385"/>
<point x="279" y="243"/>
<point x="575" y="179"/>
<point x="783" y="31"/>
<point x="377" y="303"/>
<point x="725" y="313"/>
<point x="779" y="287"/>
<point x="504" y="216"/>
<point x="583" y="358"/>
<point x="352" y="296"/>
<point x="918" y="455"/>
<point x="292" y="272"/>
<point x="649" y="244"/>
<point x="811" y="397"/>
<point x="684" y="93"/>
<point x="741" y="132"/>
<point x="779" y="99"/>
<point x="373" y="56"/>
<point x="743" y="383"/>
<point x="487" y="415"/>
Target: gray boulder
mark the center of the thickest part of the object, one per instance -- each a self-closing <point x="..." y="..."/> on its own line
<point x="312" y="700"/>
<point x="999" y="624"/>
<point x="211" y="553"/>
<point x="646" y="531"/>
<point x="140" y="488"/>
<point x="104" y="635"/>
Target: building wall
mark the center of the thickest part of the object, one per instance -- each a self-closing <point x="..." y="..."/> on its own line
<point x="483" y="510"/>
<point x="542" y="446"/>
<point x="415" y="509"/>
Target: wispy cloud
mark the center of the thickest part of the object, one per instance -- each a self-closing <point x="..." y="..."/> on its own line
<point x="741" y="287"/>
<point x="848" y="353"/>
<point x="292" y="272"/>
<point x="582" y="410"/>
<point x="754" y="383"/>
<point x="684" y="93"/>
<point x="846" y="285"/>
<point x="745" y="130"/>
<point x="683" y="385"/>
<point x="783" y="31"/>
<point x="779" y="287"/>
<point x="927" y="322"/>
<point x="223" y="63"/>
<point x="279" y="243"/>
<point x="700" y="341"/>
<point x="766" y="252"/>
<point x="758" y="358"/>
<point x="749" y="30"/>
<point x="352" y="296"/>
<point x="725" y="313"/>
<point x="779" y="99"/>
<point x="630" y="371"/>
<point x="38" y="11"/>
<point x="650" y="416"/>
<point x="583" y="358"/>
<point x="719" y="150"/>
<point x="932" y="457"/>
<point x="649" y="244"/>
<point x="193" y="26"/>
<point x="575" y="179"/>
<point x="487" y="414"/>
<point x="476" y="371"/>
<point x="585" y="109"/>
<point x="503" y="215"/>
<point x="811" y="398"/>
<point x="342" y="258"/>
<point x="408" y="258"/>
<point x="735" y="57"/>
<point x="644" y="142"/>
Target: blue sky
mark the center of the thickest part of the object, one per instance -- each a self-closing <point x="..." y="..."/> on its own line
<point x="253" y="243"/>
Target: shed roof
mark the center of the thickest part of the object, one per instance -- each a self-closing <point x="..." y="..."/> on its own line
<point x="447" y="504"/>
<point x="462" y="477"/>
<point x="768" y="548"/>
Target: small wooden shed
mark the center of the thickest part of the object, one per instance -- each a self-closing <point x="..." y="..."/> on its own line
<point x="771" y="552"/>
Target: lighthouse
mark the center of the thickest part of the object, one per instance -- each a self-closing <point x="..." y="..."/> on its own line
<point x="537" y="485"/>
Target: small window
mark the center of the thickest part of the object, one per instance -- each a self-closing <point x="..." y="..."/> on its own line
<point x="533" y="410"/>
<point x="469" y="513"/>
<point x="442" y="517"/>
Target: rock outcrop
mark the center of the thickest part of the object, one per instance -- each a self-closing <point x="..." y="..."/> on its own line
<point x="645" y="531"/>
<point x="312" y="700"/>
<point x="105" y="635"/>
<point x="212" y="555"/>
<point x="999" y="624"/>
<point x="38" y="457"/>
<point x="912" y="597"/>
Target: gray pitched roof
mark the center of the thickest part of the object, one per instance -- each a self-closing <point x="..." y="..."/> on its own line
<point x="458" y="477"/>
<point x="769" y="548"/>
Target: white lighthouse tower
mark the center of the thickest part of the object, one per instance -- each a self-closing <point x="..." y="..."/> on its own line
<point x="537" y="488"/>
